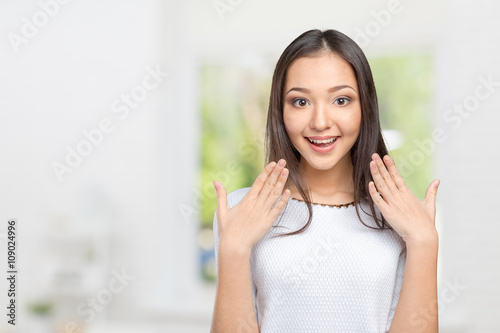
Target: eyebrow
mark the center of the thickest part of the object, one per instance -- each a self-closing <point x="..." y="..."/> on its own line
<point x="330" y="90"/>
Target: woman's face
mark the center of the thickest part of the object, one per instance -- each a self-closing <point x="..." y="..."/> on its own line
<point x="321" y="101"/>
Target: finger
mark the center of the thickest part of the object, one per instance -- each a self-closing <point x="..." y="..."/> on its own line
<point x="386" y="176"/>
<point x="222" y="205"/>
<point x="280" y="205"/>
<point x="430" y="194"/>
<point x="377" y="199"/>
<point x="394" y="172"/>
<point x="261" y="180"/>
<point x="270" y="184"/>
<point x="381" y="178"/>
<point x="277" y="191"/>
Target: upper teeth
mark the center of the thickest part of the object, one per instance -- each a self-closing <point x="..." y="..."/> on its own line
<point x="323" y="141"/>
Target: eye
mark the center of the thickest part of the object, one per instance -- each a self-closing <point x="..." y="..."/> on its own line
<point x="342" y="101"/>
<point x="302" y="102"/>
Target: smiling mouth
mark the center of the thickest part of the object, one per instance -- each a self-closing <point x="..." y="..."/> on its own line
<point x="323" y="143"/>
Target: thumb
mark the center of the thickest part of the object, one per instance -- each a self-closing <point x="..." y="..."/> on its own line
<point x="430" y="194"/>
<point x="222" y="205"/>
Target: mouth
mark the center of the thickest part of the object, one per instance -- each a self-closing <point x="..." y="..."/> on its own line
<point x="322" y="146"/>
<point x="327" y="142"/>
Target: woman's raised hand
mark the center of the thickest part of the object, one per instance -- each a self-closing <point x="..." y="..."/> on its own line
<point x="249" y="220"/>
<point x="411" y="218"/>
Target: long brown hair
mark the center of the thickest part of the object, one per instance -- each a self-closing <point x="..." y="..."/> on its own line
<point x="369" y="141"/>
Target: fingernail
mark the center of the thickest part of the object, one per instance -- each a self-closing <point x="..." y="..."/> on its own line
<point x="281" y="163"/>
<point x="216" y="185"/>
<point x="436" y="183"/>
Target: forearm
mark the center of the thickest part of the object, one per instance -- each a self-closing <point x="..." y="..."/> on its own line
<point x="417" y="309"/>
<point x="233" y="309"/>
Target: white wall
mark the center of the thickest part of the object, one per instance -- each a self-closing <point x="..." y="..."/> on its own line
<point x="62" y="81"/>
<point x="467" y="163"/>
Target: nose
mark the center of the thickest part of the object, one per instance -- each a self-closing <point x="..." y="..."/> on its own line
<point x="321" y="118"/>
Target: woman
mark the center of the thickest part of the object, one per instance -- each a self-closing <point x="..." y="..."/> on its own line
<point x="339" y="268"/>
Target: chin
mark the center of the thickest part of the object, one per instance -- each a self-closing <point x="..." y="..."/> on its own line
<point x="322" y="163"/>
<point x="325" y="166"/>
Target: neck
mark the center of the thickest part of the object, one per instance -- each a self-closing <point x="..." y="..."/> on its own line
<point x="332" y="186"/>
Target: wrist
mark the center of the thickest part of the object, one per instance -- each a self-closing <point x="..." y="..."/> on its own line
<point x="232" y="249"/>
<point x="427" y="239"/>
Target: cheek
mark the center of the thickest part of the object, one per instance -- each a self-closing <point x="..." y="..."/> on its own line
<point x="290" y="125"/>
<point x="352" y="123"/>
<point x="293" y="129"/>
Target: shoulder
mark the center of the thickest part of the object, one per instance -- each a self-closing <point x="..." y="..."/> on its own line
<point x="235" y="196"/>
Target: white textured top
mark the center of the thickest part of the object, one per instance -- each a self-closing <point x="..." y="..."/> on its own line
<point x="336" y="276"/>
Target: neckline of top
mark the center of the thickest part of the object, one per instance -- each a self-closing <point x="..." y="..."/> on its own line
<point x="346" y="205"/>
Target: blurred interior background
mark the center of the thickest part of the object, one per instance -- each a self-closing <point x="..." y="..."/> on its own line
<point x="116" y="116"/>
